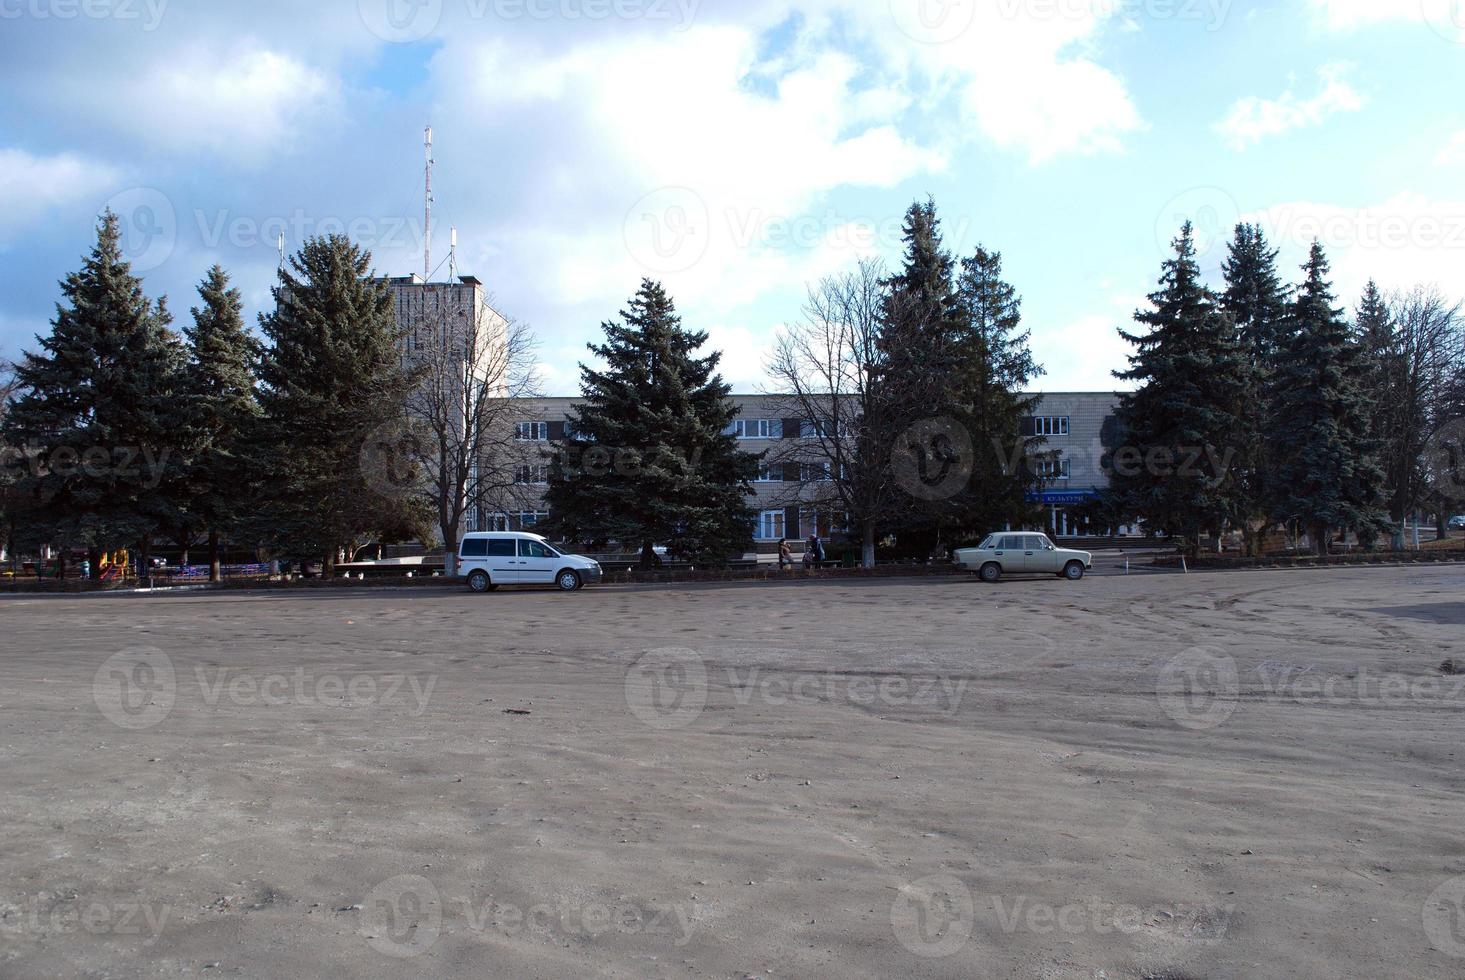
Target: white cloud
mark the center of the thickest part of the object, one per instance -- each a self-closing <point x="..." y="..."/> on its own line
<point x="1253" y="119"/>
<point x="1350" y="14"/>
<point x="30" y="186"/>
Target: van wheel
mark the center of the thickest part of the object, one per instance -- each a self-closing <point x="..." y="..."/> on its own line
<point x="567" y="580"/>
<point x="1073" y="571"/>
<point x="479" y="581"/>
<point x="990" y="572"/>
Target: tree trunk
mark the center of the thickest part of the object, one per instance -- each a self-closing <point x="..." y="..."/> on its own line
<point x="450" y="549"/>
<point x="648" y="556"/>
<point x="145" y="560"/>
<point x="867" y="545"/>
<point x="1441" y="524"/>
<point x="1321" y="544"/>
<point x="94" y="563"/>
<point x="216" y="571"/>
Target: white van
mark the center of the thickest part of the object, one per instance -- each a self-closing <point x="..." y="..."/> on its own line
<point x="489" y="559"/>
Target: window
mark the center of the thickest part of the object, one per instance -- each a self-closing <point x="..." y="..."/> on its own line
<point x="1010" y="542"/>
<point x="1051" y="468"/>
<point x="1035" y="542"/>
<point x="758" y="428"/>
<point x="475" y="547"/>
<point x="535" y="549"/>
<point x="529" y="518"/>
<point x="816" y="428"/>
<point x="770" y="525"/>
<point x="815" y="472"/>
<point x="768" y="474"/>
<point x="532" y="474"/>
<point x="1050" y="425"/>
<point x="533" y="432"/>
<point x="500" y="548"/>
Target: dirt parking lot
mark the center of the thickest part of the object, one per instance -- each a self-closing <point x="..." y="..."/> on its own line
<point x="1163" y="776"/>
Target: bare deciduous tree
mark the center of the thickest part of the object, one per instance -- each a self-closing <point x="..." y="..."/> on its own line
<point x="477" y="371"/>
<point x="827" y="367"/>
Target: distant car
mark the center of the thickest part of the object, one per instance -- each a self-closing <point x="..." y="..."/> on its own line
<point x="1023" y="553"/>
<point x="490" y="559"/>
<point x="1458" y="520"/>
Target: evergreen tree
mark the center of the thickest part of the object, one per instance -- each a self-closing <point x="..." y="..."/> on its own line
<point x="223" y="411"/>
<point x="1256" y="300"/>
<point x="994" y="367"/>
<point x="97" y="417"/>
<point x="1319" y="436"/>
<point x="1186" y="421"/>
<point x="652" y="459"/>
<point x="917" y="376"/>
<point x="332" y="380"/>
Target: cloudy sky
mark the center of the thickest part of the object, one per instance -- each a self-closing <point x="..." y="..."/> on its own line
<point x="735" y="149"/>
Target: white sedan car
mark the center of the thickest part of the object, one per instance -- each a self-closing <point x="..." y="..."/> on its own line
<point x="1023" y="552"/>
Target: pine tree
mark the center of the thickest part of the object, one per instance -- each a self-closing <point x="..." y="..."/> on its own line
<point x="652" y="459"/>
<point x="332" y="379"/>
<point x="1185" y="422"/>
<point x="223" y="411"/>
<point x="917" y="377"/>
<point x="1256" y="300"/>
<point x="1319" y="434"/>
<point x="994" y="366"/>
<point x="97" y="419"/>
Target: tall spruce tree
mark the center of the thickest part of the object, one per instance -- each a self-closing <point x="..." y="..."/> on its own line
<point x="220" y="384"/>
<point x="994" y="366"/>
<point x="917" y="376"/>
<point x="332" y="380"/>
<point x="1256" y="301"/>
<point x="1319" y="433"/>
<point x="97" y="419"/>
<point x="1185" y="422"/>
<point x="651" y="459"/>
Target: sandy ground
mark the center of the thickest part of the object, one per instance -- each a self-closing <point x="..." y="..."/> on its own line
<point x="1165" y="776"/>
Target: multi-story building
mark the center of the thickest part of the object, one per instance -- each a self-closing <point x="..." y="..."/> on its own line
<point x="450" y="321"/>
<point x="786" y="487"/>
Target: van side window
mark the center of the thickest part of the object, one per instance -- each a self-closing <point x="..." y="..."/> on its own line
<point x="475" y="547"/>
<point x="500" y="548"/>
<point x="533" y="549"/>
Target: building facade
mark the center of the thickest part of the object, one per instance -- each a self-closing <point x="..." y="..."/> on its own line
<point x="786" y="490"/>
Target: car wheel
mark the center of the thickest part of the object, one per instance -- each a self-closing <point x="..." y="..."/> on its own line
<point x="479" y="581"/>
<point x="1073" y="571"/>
<point x="567" y="580"/>
<point x="990" y="572"/>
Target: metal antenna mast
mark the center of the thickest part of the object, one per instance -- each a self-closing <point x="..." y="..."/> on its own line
<point x="427" y="215"/>
<point x="453" y="256"/>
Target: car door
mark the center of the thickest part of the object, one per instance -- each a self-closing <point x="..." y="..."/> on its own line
<point x="1040" y="553"/>
<point x="1010" y="553"/>
<point x="537" y="563"/>
<point x="502" y="561"/>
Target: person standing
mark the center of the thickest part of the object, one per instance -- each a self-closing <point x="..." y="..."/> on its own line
<point x="785" y="554"/>
<point x="815" y="549"/>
